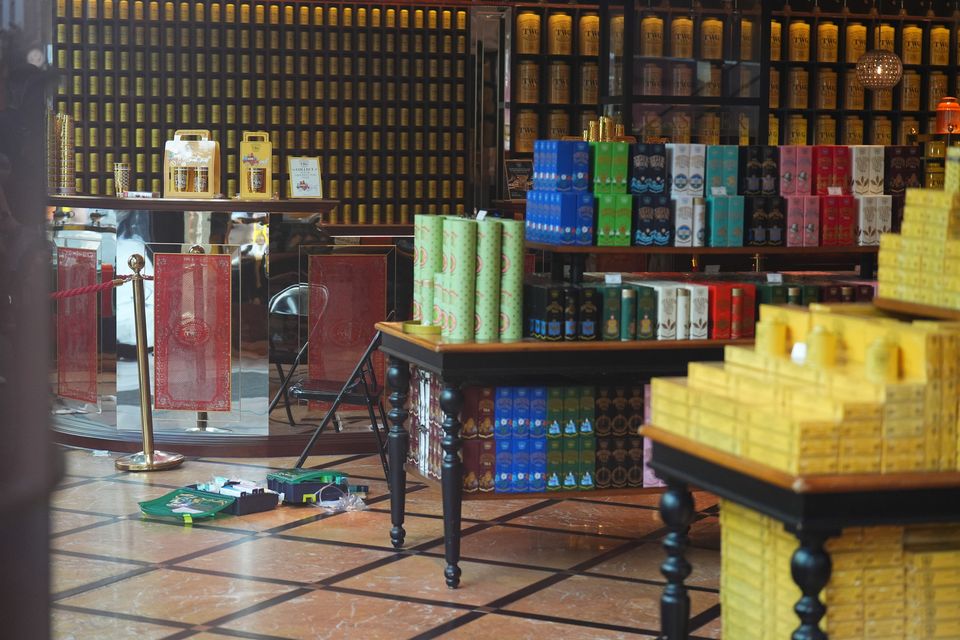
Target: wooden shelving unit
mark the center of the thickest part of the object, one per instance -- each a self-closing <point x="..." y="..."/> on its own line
<point x="381" y="100"/>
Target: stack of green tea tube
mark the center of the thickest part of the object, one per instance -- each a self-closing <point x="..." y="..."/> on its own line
<point x="427" y="261"/>
<point x="468" y="277"/>
<point x="511" y="281"/>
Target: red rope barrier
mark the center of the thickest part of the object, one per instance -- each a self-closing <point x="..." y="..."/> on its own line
<point x="93" y="288"/>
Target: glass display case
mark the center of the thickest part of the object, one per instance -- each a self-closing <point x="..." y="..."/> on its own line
<point x="686" y="73"/>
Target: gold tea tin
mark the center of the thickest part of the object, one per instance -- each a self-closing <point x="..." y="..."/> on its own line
<point x="528" y="33"/>
<point x="910" y="91"/>
<point x="589" y="34"/>
<point x="776" y="40"/>
<point x="616" y="36"/>
<point x="799" y="43"/>
<point x="589" y="83"/>
<point x="826" y="131"/>
<point x="797" y="134"/>
<point x="651" y="36"/>
<point x="937" y="88"/>
<point x="912" y="44"/>
<point x="827" y="90"/>
<point x="827" y="41"/>
<point x="560" y="34"/>
<point x="528" y="79"/>
<point x="882" y="131"/>
<point x="526" y="131"/>
<point x="712" y="86"/>
<point x="558" y="124"/>
<point x="939" y="46"/>
<point x="682" y="79"/>
<point x="884" y="37"/>
<point x="799" y="88"/>
<point x="711" y="39"/>
<point x="559" y="78"/>
<point x="852" y="91"/>
<point x="652" y="79"/>
<point x="746" y="39"/>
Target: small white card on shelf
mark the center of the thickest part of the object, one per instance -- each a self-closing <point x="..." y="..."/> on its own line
<point x="613" y="278"/>
<point x="305" y="178"/>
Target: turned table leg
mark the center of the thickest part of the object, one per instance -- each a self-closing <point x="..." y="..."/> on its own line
<point x="398" y="440"/>
<point x="810" y="567"/>
<point x="676" y="509"/>
<point x="451" y="479"/>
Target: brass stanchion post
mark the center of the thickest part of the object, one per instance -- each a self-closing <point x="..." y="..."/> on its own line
<point x="148" y="459"/>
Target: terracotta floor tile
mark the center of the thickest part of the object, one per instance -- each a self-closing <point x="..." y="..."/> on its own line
<point x="370" y="527"/>
<point x="142" y="540"/>
<point x="61" y="521"/>
<point x="423" y="576"/>
<point x="70" y="572"/>
<point x="114" y="498"/>
<point x="285" y="462"/>
<point x="607" y="601"/>
<point x="533" y="548"/>
<point x="286" y="559"/>
<point x="328" y="615"/>
<point x="70" y="625"/>
<point x="644" y="563"/>
<point x="186" y="597"/>
<point x="500" y="626"/>
<point x="429" y="501"/>
<point x="710" y="630"/>
<point x="601" y="519"/>
<point x="706" y="533"/>
<point x="82" y="462"/>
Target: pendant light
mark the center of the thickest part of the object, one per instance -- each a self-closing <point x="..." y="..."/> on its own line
<point x="879" y="68"/>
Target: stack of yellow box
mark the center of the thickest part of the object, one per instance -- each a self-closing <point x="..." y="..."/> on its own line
<point x="887" y="582"/>
<point x="922" y="263"/>
<point x="833" y="389"/>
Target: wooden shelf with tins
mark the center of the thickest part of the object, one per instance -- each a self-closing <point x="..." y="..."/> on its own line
<point x="338" y="80"/>
<point x="555" y="78"/>
<point x="686" y="74"/>
<point x="813" y="75"/>
<point x="458" y="364"/>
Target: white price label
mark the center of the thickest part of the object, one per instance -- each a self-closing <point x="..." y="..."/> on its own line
<point x="718" y="191"/>
<point x="481" y="214"/>
<point x="834" y="191"/>
<point x="775" y="278"/>
<point x="613" y="278"/>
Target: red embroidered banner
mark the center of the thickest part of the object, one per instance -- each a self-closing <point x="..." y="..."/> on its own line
<point x="77" y="326"/>
<point x="192" y="355"/>
<point x="348" y="295"/>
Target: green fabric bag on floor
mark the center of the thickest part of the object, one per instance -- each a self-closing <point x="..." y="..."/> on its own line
<point x="187" y="505"/>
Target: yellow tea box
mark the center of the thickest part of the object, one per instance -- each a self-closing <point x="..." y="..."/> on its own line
<point x="256" y="173"/>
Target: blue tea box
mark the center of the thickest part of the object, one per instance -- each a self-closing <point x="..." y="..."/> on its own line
<point x="581" y="165"/>
<point x="538" y="412"/>
<point x="503" y="412"/>
<point x="521" y="412"/>
<point x="520" y="477"/>
<point x="585" y="219"/>
<point x="538" y="464"/>
<point x="503" y="478"/>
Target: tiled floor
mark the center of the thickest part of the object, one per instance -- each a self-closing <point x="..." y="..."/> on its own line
<point x="531" y="568"/>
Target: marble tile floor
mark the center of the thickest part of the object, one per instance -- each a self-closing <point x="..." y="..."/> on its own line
<point x="574" y="569"/>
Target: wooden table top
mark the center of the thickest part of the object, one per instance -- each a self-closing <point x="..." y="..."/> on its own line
<point x="832" y="483"/>
<point x="435" y="344"/>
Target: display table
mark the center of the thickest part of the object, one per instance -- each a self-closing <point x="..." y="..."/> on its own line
<point x="459" y="364"/>
<point x="814" y="508"/>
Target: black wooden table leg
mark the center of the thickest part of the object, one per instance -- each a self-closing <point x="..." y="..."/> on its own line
<point x="810" y="567"/>
<point x="676" y="509"/>
<point x="451" y="479"/>
<point x="398" y="440"/>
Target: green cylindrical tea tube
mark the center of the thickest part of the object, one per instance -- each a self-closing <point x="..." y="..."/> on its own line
<point x="460" y="274"/>
<point x="426" y="301"/>
<point x="511" y="281"/>
<point x="438" y="319"/>
<point x="489" y="245"/>
<point x="427" y="260"/>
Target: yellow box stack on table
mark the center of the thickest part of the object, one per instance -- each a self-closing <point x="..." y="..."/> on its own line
<point x="921" y="264"/>
<point x="887" y="582"/>
<point x="832" y="389"/>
